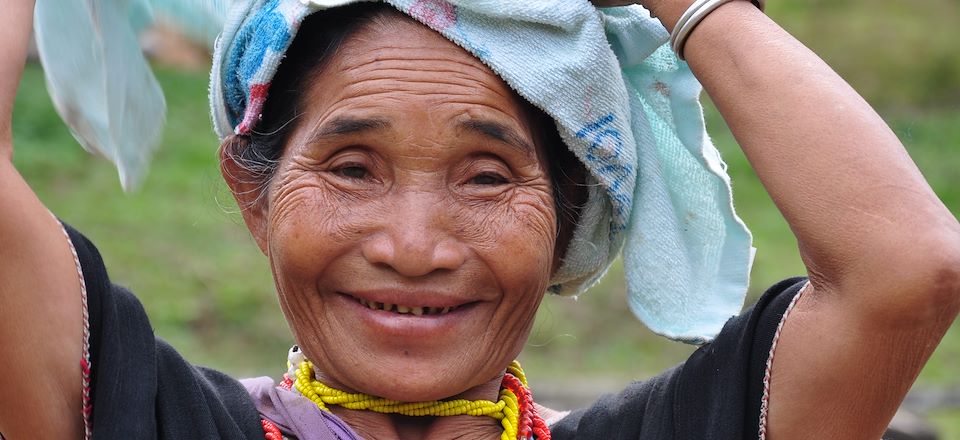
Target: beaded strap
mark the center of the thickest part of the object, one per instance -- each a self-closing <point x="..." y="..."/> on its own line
<point x="85" y="366"/>
<point x="768" y="371"/>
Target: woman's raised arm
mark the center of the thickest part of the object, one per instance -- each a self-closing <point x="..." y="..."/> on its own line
<point x="40" y="305"/>
<point x="882" y="252"/>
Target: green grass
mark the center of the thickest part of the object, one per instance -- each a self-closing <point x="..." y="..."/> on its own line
<point x="897" y="53"/>
<point x="180" y="245"/>
<point x="947" y="422"/>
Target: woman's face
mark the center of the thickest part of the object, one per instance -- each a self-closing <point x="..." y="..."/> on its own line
<point x="410" y="225"/>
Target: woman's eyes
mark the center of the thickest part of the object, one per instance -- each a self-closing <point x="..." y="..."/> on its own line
<point x="488" y="179"/>
<point x="352" y="171"/>
<point x="359" y="172"/>
<point x="482" y="173"/>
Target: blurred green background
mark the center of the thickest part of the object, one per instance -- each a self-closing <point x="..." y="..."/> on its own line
<point x="180" y="244"/>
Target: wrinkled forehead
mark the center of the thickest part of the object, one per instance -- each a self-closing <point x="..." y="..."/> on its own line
<point x="394" y="38"/>
<point x="396" y="53"/>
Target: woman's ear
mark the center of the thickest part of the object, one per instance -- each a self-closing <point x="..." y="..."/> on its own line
<point x="247" y="186"/>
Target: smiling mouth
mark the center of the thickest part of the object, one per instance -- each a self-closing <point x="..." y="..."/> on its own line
<point x="405" y="310"/>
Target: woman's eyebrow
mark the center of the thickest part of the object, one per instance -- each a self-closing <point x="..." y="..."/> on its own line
<point x="344" y="125"/>
<point x="500" y="132"/>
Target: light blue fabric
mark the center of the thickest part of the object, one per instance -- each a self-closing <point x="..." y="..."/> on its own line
<point x="622" y="102"/>
<point x="108" y="97"/>
<point x="98" y="78"/>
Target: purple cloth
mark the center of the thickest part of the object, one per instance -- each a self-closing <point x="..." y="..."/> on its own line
<point x="294" y="414"/>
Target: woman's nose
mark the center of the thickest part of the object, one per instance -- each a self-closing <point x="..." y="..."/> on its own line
<point x="416" y="241"/>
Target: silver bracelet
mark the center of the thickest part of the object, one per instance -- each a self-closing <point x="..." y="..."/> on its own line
<point x="692" y="17"/>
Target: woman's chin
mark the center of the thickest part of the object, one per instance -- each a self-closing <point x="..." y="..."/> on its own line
<point x="422" y="388"/>
<point x="416" y="377"/>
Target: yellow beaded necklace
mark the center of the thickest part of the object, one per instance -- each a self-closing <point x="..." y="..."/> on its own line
<point x="515" y="409"/>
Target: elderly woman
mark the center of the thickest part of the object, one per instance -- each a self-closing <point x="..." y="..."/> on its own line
<point x="419" y="180"/>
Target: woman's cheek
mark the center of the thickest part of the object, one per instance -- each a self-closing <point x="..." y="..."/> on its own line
<point x="310" y="223"/>
<point x="535" y="213"/>
<point x="516" y="238"/>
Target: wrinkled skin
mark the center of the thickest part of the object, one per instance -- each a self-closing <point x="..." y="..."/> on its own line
<point x="414" y="177"/>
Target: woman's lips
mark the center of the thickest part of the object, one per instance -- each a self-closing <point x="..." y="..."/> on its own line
<point x="403" y="319"/>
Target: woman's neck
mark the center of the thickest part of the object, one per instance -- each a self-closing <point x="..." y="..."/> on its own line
<point x="372" y="425"/>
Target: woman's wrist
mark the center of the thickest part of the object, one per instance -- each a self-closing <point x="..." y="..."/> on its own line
<point x="701" y="10"/>
<point x="731" y="30"/>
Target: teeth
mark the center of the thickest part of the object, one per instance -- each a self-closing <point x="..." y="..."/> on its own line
<point x="416" y="311"/>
